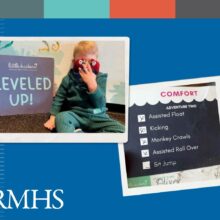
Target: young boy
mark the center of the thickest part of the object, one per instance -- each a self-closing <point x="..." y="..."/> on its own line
<point x="82" y="93"/>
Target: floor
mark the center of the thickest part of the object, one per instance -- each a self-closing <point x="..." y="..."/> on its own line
<point x="34" y="123"/>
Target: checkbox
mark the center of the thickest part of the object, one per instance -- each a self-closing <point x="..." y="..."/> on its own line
<point x="144" y="141"/>
<point x="141" y="118"/>
<point x="145" y="153"/>
<point x="146" y="165"/>
<point x="143" y="130"/>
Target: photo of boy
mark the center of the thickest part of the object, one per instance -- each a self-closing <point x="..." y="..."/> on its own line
<point x="80" y="102"/>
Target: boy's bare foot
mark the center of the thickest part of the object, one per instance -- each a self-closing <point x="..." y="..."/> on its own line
<point x="50" y="123"/>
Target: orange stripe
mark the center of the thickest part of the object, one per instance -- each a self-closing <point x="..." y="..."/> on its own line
<point x="143" y="8"/>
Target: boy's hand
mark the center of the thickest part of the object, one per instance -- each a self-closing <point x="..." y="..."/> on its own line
<point x="88" y="77"/>
<point x="50" y="123"/>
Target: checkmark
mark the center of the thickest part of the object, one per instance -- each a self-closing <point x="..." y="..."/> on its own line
<point x="145" y="153"/>
<point x="144" y="141"/>
<point x="141" y="118"/>
<point x="143" y="130"/>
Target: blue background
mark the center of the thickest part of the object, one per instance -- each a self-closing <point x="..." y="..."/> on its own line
<point x="161" y="50"/>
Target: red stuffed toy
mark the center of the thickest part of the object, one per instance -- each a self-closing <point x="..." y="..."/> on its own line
<point x="95" y="65"/>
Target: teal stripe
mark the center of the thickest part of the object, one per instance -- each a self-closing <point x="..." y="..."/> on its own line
<point x="76" y="9"/>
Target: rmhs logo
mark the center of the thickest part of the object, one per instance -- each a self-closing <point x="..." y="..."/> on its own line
<point x="32" y="199"/>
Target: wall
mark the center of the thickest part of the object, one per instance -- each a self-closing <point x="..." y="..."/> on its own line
<point x="111" y="57"/>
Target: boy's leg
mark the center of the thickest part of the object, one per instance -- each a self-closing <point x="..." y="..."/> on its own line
<point x="66" y="122"/>
<point x="104" y="123"/>
<point x="113" y="127"/>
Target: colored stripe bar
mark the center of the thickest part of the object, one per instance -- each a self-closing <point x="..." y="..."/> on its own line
<point x="197" y="8"/>
<point x="143" y="9"/>
<point x="76" y="9"/>
<point x="110" y="9"/>
<point x="21" y="8"/>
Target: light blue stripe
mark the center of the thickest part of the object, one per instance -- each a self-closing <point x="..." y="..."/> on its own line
<point x="76" y="9"/>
